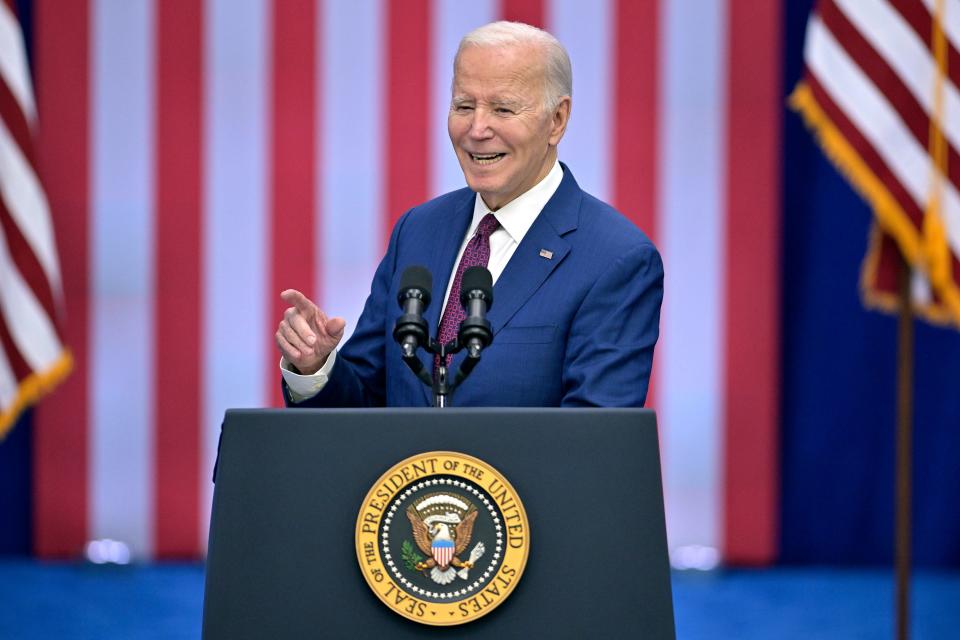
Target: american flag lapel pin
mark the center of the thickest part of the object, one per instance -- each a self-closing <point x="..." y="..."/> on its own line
<point x="546" y="254"/>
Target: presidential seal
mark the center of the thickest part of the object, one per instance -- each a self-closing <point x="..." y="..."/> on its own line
<point x="442" y="538"/>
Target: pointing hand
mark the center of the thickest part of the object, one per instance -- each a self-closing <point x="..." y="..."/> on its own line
<point x="306" y="336"/>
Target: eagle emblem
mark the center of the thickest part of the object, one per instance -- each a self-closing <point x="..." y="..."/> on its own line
<point x="442" y="528"/>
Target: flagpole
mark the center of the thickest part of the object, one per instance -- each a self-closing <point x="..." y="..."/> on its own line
<point x="904" y="452"/>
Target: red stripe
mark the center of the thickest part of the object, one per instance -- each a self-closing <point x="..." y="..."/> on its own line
<point x="61" y="423"/>
<point x="883" y="76"/>
<point x="886" y="278"/>
<point x="20" y="367"/>
<point x="866" y="151"/>
<point x="293" y="159"/>
<point x="529" y="11"/>
<point x="636" y="117"/>
<point x="920" y="20"/>
<point x="28" y="266"/>
<point x="408" y="56"/>
<point x="16" y="123"/>
<point x="177" y="286"/>
<point x="751" y="414"/>
<point x="635" y="110"/>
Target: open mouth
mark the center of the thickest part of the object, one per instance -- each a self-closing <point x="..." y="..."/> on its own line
<point x="486" y="158"/>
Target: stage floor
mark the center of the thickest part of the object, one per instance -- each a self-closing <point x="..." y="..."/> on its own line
<point x="165" y="601"/>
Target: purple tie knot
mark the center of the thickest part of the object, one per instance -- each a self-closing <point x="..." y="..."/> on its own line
<point x="488" y="224"/>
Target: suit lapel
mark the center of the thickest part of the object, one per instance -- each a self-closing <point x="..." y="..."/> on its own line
<point x="527" y="268"/>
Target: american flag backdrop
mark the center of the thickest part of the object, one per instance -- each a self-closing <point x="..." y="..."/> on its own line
<point x="881" y="90"/>
<point x="201" y="156"/>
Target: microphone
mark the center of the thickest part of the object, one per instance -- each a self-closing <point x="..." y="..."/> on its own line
<point x="476" y="296"/>
<point x="410" y="329"/>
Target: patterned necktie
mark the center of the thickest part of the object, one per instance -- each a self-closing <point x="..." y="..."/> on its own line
<point x="477" y="254"/>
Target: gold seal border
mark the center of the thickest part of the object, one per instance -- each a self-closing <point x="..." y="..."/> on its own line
<point x="378" y="499"/>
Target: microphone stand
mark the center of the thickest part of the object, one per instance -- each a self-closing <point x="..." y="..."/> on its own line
<point x="440" y="382"/>
<point x="443" y="387"/>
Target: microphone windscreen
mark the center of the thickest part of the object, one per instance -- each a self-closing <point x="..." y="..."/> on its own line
<point x="417" y="277"/>
<point x="476" y="278"/>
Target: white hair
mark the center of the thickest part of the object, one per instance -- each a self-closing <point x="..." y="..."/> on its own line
<point x="558" y="81"/>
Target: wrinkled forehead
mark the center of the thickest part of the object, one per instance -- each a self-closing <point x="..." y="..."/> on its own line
<point x="499" y="71"/>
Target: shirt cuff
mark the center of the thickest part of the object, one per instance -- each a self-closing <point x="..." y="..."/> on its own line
<point x="303" y="387"/>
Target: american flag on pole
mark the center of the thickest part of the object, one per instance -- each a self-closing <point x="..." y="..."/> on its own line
<point x="880" y="91"/>
<point x="33" y="358"/>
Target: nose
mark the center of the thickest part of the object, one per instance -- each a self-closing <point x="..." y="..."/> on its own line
<point x="480" y="125"/>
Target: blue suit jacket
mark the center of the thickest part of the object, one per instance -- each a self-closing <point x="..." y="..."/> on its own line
<point x="577" y="329"/>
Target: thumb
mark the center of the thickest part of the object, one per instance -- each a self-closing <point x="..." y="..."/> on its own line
<point x="335" y="327"/>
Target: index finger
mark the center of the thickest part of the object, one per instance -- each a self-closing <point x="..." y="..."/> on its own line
<point x="303" y="304"/>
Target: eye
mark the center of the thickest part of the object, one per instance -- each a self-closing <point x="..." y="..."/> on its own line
<point x="462" y="108"/>
<point x="503" y="110"/>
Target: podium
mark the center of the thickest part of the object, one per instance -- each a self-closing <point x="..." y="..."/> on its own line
<point x="282" y="561"/>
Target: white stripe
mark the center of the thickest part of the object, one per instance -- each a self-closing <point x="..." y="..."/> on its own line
<point x="951" y="19"/>
<point x="691" y="231"/>
<point x="31" y="329"/>
<point x="8" y="382"/>
<point x="586" y="30"/>
<point x="909" y="56"/>
<point x="920" y="288"/>
<point x="122" y="250"/>
<point x="351" y="134"/>
<point x="234" y="269"/>
<point x="25" y="200"/>
<point x="452" y="19"/>
<point x="879" y="123"/>
<point x="13" y="63"/>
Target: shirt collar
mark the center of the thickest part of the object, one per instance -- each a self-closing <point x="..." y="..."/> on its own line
<point x="517" y="216"/>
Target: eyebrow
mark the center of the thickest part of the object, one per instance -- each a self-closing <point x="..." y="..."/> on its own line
<point x="496" y="102"/>
<point x="513" y="104"/>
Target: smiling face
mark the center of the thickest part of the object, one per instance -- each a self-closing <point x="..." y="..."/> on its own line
<point x="505" y="139"/>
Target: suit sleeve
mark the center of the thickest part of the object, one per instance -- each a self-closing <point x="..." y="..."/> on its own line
<point x="358" y="376"/>
<point x="610" y="346"/>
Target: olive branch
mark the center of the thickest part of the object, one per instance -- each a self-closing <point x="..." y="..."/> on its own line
<point x="410" y="556"/>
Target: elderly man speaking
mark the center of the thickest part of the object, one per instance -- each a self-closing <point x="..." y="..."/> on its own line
<point x="577" y="287"/>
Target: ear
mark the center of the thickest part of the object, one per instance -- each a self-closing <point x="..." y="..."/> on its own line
<point x="559" y="119"/>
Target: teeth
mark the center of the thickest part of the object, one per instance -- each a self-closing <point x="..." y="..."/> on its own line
<point x="488" y="158"/>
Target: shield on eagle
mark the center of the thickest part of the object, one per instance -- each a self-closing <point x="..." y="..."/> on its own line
<point x="442" y="552"/>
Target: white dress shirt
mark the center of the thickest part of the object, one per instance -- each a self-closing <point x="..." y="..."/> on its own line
<point x="515" y="218"/>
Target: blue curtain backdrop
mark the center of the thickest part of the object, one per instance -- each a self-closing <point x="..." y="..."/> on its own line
<point x="839" y="377"/>
<point x="15" y="490"/>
